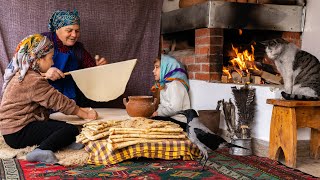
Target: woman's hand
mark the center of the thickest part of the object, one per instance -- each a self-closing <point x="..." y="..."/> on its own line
<point x="53" y="74"/>
<point x="92" y="114"/>
<point x="100" y="61"/>
<point x="154" y="114"/>
<point x="87" y="113"/>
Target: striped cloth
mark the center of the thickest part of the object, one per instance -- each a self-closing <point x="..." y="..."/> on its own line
<point x="169" y="150"/>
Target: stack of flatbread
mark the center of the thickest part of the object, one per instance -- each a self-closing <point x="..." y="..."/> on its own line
<point x="96" y="130"/>
<point x="123" y="133"/>
<point x="142" y="130"/>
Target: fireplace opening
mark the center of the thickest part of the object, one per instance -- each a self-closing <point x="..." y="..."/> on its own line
<point x="244" y="57"/>
<point x="207" y="52"/>
<point x="183" y="41"/>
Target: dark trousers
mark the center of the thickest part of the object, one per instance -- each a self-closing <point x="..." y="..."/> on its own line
<point x="49" y="135"/>
<point x="163" y="118"/>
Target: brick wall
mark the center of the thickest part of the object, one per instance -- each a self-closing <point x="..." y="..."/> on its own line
<point x="205" y="63"/>
<point x="294" y="37"/>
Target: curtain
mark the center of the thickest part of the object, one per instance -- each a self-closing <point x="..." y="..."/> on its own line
<point x="115" y="29"/>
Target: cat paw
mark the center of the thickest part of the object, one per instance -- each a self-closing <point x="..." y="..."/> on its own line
<point x="285" y="95"/>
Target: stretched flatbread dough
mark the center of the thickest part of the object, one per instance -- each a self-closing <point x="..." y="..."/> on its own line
<point x="106" y="82"/>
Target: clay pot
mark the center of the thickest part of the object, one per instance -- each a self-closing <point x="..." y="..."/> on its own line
<point x="140" y="106"/>
<point x="242" y="1"/>
<point x="211" y="119"/>
<point x="252" y="1"/>
<point x="264" y="1"/>
<point x="187" y="3"/>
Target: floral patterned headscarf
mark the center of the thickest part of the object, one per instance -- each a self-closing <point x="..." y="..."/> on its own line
<point x="170" y="70"/>
<point x="28" y="50"/>
<point x="61" y="18"/>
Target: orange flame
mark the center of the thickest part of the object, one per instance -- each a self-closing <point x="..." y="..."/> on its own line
<point x="242" y="62"/>
<point x="226" y="72"/>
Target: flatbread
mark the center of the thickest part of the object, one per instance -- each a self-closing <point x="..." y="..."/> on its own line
<point x="169" y="130"/>
<point x="147" y="136"/>
<point x="106" y="82"/>
<point x="106" y="123"/>
<point x="92" y="133"/>
<point x="113" y="147"/>
<point x="97" y="136"/>
<point x="80" y="138"/>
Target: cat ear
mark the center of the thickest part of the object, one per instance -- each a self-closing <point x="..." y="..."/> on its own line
<point x="265" y="43"/>
<point x="281" y="41"/>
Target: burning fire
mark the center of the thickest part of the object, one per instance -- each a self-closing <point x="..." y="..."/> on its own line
<point x="241" y="63"/>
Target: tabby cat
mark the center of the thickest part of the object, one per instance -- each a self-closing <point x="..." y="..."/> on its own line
<point x="300" y="70"/>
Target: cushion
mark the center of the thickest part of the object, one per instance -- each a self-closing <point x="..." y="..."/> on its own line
<point x="168" y="150"/>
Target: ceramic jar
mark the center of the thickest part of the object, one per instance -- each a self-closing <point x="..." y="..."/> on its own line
<point x="188" y="3"/>
<point x="242" y="1"/>
<point x="140" y="106"/>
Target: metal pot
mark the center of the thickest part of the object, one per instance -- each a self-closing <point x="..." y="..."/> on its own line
<point x="246" y="143"/>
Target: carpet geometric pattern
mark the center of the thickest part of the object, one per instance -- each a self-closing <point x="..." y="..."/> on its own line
<point x="220" y="165"/>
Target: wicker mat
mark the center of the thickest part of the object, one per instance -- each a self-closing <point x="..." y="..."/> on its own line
<point x="67" y="157"/>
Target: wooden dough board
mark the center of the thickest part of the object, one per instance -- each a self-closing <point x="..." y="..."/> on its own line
<point x="104" y="115"/>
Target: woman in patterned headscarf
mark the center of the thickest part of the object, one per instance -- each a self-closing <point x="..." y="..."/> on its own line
<point x="27" y="51"/>
<point x="69" y="54"/>
<point x="172" y="81"/>
<point x="24" y="118"/>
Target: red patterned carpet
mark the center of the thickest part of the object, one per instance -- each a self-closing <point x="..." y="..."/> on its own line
<point x="221" y="165"/>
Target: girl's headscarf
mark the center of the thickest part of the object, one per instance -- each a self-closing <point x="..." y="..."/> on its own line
<point x="61" y="18"/>
<point x="28" y="50"/>
<point x="170" y="70"/>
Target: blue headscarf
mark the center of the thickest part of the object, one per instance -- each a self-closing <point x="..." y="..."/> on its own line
<point x="61" y="18"/>
<point x="170" y="70"/>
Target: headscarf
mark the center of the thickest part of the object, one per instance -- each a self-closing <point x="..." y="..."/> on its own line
<point x="61" y="18"/>
<point x="28" y="50"/>
<point x="170" y="70"/>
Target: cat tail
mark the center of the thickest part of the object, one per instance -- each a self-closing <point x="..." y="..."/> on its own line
<point x="298" y="97"/>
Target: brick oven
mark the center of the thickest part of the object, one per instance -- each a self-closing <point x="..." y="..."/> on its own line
<point x="202" y="34"/>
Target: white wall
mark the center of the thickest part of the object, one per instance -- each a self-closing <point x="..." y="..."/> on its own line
<point x="205" y="95"/>
<point x="311" y="34"/>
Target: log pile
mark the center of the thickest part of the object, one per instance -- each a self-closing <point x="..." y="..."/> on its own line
<point x="254" y="77"/>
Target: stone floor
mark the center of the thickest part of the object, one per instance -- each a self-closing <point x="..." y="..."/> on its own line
<point x="304" y="162"/>
<point x="308" y="165"/>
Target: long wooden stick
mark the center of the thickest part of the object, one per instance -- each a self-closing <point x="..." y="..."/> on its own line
<point x="66" y="74"/>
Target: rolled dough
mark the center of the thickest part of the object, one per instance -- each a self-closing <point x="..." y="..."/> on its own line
<point x="106" y="82"/>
